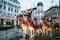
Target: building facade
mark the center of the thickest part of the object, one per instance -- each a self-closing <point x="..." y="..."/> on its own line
<point x="9" y="9"/>
<point x="59" y="12"/>
<point x="52" y="13"/>
<point x="38" y="12"/>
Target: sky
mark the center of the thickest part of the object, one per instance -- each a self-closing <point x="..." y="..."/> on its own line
<point x="27" y="4"/>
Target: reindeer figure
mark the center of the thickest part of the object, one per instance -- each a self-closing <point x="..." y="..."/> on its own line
<point x="24" y="25"/>
<point x="44" y="27"/>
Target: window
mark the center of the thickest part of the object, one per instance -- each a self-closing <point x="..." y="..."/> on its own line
<point x="9" y="9"/>
<point x="4" y="13"/>
<point x="8" y="14"/>
<point x="0" y="6"/>
<point x="54" y="9"/>
<point x="5" y="2"/>
<point x="55" y="13"/>
<point x="9" y="4"/>
<point x="4" y="7"/>
<point x="14" y="14"/>
<point x="0" y="11"/>
<point x="15" y="10"/>
<point x="11" y="14"/>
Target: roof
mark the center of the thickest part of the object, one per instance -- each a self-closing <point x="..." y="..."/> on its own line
<point x="51" y="8"/>
<point x="40" y="4"/>
<point x="34" y="8"/>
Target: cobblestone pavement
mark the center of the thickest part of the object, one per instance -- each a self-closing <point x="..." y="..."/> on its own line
<point x="10" y="34"/>
<point x="7" y="34"/>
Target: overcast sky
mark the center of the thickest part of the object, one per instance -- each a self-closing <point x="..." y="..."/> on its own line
<point x="27" y="4"/>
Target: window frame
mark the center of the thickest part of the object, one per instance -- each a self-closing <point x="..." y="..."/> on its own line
<point x="4" y="7"/>
<point x="0" y="6"/>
